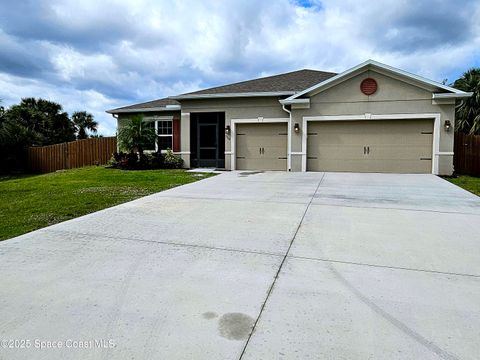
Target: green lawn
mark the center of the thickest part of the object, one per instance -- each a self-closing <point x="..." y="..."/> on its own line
<point x="32" y="202"/>
<point x="469" y="183"/>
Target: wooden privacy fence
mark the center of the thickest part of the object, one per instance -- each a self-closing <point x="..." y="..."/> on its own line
<point x="466" y="160"/>
<point x="74" y="154"/>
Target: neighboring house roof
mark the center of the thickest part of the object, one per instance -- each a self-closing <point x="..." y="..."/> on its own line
<point x="390" y="70"/>
<point x="164" y="104"/>
<point x="276" y="85"/>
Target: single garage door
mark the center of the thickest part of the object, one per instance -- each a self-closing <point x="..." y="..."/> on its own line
<point x="261" y="146"/>
<point x="390" y="146"/>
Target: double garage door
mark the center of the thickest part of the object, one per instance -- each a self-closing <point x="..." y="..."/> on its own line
<point x="389" y="146"/>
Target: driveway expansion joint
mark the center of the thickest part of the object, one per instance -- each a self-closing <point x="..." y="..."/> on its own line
<point x="279" y="270"/>
<point x="163" y="242"/>
<point x="400" y="209"/>
<point x="383" y="266"/>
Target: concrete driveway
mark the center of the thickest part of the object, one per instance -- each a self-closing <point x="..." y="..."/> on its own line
<point x="320" y="266"/>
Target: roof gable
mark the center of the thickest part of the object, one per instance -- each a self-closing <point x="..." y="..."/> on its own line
<point x="381" y="68"/>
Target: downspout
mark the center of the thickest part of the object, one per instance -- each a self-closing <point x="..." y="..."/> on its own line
<point x="289" y="140"/>
<point x="115" y="116"/>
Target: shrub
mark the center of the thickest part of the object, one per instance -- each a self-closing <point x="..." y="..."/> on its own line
<point x="172" y="161"/>
<point x="156" y="160"/>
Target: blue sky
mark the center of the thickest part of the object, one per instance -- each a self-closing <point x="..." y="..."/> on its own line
<point x="96" y="55"/>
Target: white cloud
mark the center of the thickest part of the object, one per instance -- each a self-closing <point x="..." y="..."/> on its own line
<point x="95" y="55"/>
<point x="71" y="99"/>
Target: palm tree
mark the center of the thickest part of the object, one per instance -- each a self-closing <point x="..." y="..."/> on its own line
<point x="135" y="135"/>
<point x="468" y="112"/>
<point x="83" y="121"/>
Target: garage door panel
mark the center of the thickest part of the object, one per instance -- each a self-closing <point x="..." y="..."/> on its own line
<point x="261" y="164"/>
<point x="336" y="152"/>
<point x="352" y="165"/>
<point x="261" y="146"/>
<point x="249" y="152"/>
<point x="403" y="166"/>
<point x="252" y="140"/>
<point x="403" y="146"/>
<point x="399" y="152"/>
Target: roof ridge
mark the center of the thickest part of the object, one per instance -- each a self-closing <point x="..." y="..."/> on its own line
<point x="258" y="78"/>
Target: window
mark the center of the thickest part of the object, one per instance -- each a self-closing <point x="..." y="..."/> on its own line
<point x="163" y="127"/>
<point x="164" y="135"/>
<point x="151" y="125"/>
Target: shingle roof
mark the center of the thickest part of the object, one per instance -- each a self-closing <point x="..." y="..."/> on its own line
<point x="282" y="84"/>
<point x="288" y="82"/>
<point x="149" y="105"/>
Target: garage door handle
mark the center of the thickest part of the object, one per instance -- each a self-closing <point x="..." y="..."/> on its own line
<point x="368" y="149"/>
<point x="364" y="150"/>
<point x="260" y="151"/>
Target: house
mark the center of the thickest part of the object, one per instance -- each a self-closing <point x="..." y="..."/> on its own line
<point x="370" y="118"/>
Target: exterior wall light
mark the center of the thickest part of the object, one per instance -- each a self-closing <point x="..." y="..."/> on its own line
<point x="227" y="129"/>
<point x="447" y="125"/>
<point x="296" y="127"/>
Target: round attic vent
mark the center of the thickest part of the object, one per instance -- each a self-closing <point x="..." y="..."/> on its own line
<point x="368" y="86"/>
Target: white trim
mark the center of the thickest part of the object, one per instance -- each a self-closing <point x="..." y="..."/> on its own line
<point x="233" y="133"/>
<point x="232" y="95"/>
<point x="228" y="153"/>
<point x="451" y="95"/>
<point x="445" y="153"/>
<point x="181" y="152"/>
<point x="297" y="153"/>
<point x="368" y="116"/>
<point x="289" y="137"/>
<point x="374" y="64"/>
<point x="158" y="118"/>
<point x="259" y="120"/>
<point x="295" y="101"/>
<point x="142" y="110"/>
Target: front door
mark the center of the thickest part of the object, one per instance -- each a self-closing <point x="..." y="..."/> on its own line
<point x="207" y="144"/>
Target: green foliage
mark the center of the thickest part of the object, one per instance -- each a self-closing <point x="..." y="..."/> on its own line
<point x="468" y="111"/>
<point x="82" y="122"/>
<point x="135" y="136"/>
<point x="46" y="118"/>
<point x="156" y="160"/>
<point x="172" y="161"/>
<point x="469" y="183"/>
<point x="31" y="202"/>
<point x="36" y="122"/>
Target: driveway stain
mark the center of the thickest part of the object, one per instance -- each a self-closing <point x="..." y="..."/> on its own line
<point x="235" y="326"/>
<point x="209" y="315"/>
<point x="248" y="173"/>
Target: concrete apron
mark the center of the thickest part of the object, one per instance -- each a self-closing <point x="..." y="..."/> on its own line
<point x="255" y="265"/>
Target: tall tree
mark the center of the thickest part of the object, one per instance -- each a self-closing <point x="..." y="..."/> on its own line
<point x="468" y="111"/>
<point x="84" y="121"/>
<point x="46" y="118"/>
<point x="14" y="139"/>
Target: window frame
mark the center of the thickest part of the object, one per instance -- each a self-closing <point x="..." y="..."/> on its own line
<point x="156" y="120"/>
<point x="163" y="135"/>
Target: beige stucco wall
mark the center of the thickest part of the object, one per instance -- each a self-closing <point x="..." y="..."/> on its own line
<point x="240" y="108"/>
<point x="392" y="97"/>
<point x="123" y="118"/>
